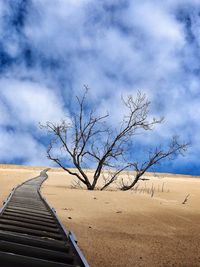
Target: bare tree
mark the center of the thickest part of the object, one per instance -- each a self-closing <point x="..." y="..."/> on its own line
<point x="86" y="140"/>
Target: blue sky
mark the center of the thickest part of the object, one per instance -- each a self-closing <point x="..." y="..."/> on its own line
<point x="50" y="49"/>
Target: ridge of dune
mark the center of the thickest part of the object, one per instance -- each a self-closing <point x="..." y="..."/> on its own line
<point x="58" y="169"/>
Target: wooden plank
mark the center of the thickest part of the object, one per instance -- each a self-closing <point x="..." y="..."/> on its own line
<point x="34" y="221"/>
<point x="42" y="219"/>
<point x="35" y="241"/>
<point x="39" y="253"/>
<point x="29" y="225"/>
<point x="29" y="213"/>
<point x="45" y="212"/>
<point x="33" y="232"/>
<point x="11" y="260"/>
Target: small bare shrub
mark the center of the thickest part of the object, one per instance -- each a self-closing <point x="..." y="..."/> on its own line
<point x="76" y="184"/>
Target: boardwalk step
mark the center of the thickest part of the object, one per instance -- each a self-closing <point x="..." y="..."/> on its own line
<point x="11" y="260"/>
<point x="29" y="225"/>
<point x="33" y="232"/>
<point x="34" y="221"/>
<point x="45" y="212"/>
<point x="29" y="213"/>
<point x="34" y="241"/>
<point x="22" y="215"/>
<point x="40" y="253"/>
<point x="26" y="205"/>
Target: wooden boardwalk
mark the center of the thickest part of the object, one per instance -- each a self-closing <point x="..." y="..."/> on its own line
<point x="31" y="234"/>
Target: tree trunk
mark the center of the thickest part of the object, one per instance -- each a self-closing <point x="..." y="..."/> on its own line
<point x="90" y="187"/>
<point x="128" y="187"/>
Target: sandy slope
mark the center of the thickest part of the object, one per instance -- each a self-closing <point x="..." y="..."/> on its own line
<point x="132" y="228"/>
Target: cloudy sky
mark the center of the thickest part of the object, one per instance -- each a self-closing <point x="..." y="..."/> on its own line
<point x="49" y="49"/>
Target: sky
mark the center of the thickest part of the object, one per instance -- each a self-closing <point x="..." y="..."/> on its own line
<point x="50" y="49"/>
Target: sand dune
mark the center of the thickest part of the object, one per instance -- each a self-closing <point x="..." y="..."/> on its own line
<point x="131" y="228"/>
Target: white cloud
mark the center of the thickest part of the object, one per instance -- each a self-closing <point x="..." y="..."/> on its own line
<point x="31" y="103"/>
<point x="156" y="21"/>
<point x="5" y="118"/>
<point x="21" y="146"/>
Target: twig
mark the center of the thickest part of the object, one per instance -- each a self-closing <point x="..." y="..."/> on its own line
<point x="163" y="187"/>
<point x="186" y="199"/>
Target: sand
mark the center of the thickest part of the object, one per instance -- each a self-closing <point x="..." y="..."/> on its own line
<point x="130" y="228"/>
